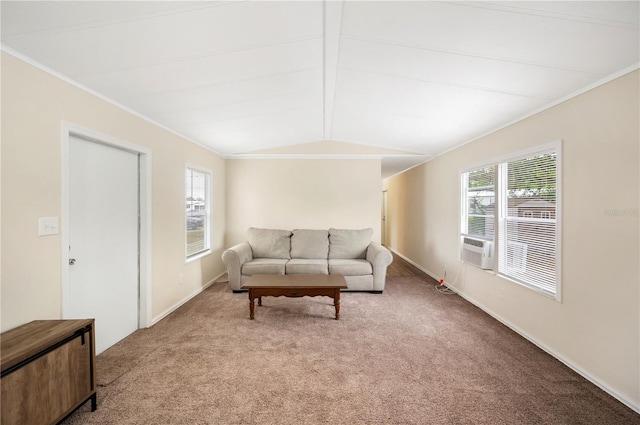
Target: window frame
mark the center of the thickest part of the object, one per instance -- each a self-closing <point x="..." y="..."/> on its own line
<point x="464" y="183"/>
<point x="206" y="250"/>
<point x="500" y="209"/>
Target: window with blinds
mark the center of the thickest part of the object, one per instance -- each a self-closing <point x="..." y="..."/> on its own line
<point x="527" y="232"/>
<point x="525" y="206"/>
<point x="479" y="186"/>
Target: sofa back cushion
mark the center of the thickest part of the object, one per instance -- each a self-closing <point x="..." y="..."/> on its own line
<point x="310" y="244"/>
<point x="269" y="243"/>
<point x="346" y="243"/>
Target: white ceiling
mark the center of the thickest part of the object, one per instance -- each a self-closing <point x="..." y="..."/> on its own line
<point x="420" y="77"/>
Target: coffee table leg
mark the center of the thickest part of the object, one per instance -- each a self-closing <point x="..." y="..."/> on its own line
<point x="336" y="303"/>
<point x="251" y="304"/>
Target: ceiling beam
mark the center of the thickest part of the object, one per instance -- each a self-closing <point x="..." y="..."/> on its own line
<point x="332" y="17"/>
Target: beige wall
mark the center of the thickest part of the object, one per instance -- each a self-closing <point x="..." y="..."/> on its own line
<point x="302" y="193"/>
<point x="596" y="327"/>
<point x="34" y="104"/>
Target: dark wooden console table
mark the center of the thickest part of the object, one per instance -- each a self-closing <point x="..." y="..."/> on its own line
<point x="48" y="371"/>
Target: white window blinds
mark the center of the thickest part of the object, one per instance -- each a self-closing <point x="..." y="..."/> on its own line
<point x="528" y="221"/>
<point x="515" y="203"/>
<point x="480" y="202"/>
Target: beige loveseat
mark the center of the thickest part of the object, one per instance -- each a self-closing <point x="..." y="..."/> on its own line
<point x="304" y="251"/>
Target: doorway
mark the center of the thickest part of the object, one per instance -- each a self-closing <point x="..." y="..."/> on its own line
<point x="384" y="218"/>
<point x="105" y="236"/>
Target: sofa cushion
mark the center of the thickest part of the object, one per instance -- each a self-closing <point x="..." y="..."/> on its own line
<point x="350" y="267"/>
<point x="269" y="243"/>
<point x="345" y="243"/>
<point x="264" y="266"/>
<point x="307" y="266"/>
<point x="306" y="243"/>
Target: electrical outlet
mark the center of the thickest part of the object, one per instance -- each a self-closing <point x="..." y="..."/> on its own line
<point x="181" y="279"/>
<point x="500" y="292"/>
<point x="445" y="271"/>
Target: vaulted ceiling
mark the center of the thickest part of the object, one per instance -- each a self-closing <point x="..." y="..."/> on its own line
<point x="406" y="80"/>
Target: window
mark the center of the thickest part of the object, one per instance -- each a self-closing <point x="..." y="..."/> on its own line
<point x="479" y="186"/>
<point x="525" y="208"/>
<point x="197" y="215"/>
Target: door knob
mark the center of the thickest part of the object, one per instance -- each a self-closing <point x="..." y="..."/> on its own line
<point x="72" y="261"/>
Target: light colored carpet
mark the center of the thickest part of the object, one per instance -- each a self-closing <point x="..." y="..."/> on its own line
<point x="407" y="356"/>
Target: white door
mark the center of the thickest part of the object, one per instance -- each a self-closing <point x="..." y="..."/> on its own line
<point x="384" y="217"/>
<point x="103" y="239"/>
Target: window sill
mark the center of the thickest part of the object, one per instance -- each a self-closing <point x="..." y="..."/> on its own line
<point x="197" y="256"/>
<point x="532" y="288"/>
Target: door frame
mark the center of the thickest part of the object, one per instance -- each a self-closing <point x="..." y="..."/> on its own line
<point x="144" y="254"/>
<point x="385" y="227"/>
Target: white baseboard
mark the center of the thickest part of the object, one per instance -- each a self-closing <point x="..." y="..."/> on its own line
<point x="585" y="374"/>
<point x="418" y="266"/>
<point x="183" y="301"/>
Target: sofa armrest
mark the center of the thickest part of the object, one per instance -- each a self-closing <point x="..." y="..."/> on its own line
<point x="234" y="258"/>
<point x="380" y="258"/>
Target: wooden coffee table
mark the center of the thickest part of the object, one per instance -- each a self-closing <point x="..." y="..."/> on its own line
<point x="294" y="285"/>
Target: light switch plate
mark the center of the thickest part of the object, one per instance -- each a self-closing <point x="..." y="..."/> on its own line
<point x="48" y="226"/>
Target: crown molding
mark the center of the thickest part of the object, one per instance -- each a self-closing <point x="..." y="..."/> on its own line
<point x="26" y="59"/>
<point x="304" y="156"/>
<point x="90" y="91"/>
<point x="589" y="87"/>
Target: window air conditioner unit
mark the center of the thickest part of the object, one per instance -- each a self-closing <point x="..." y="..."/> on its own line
<point x="477" y="252"/>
